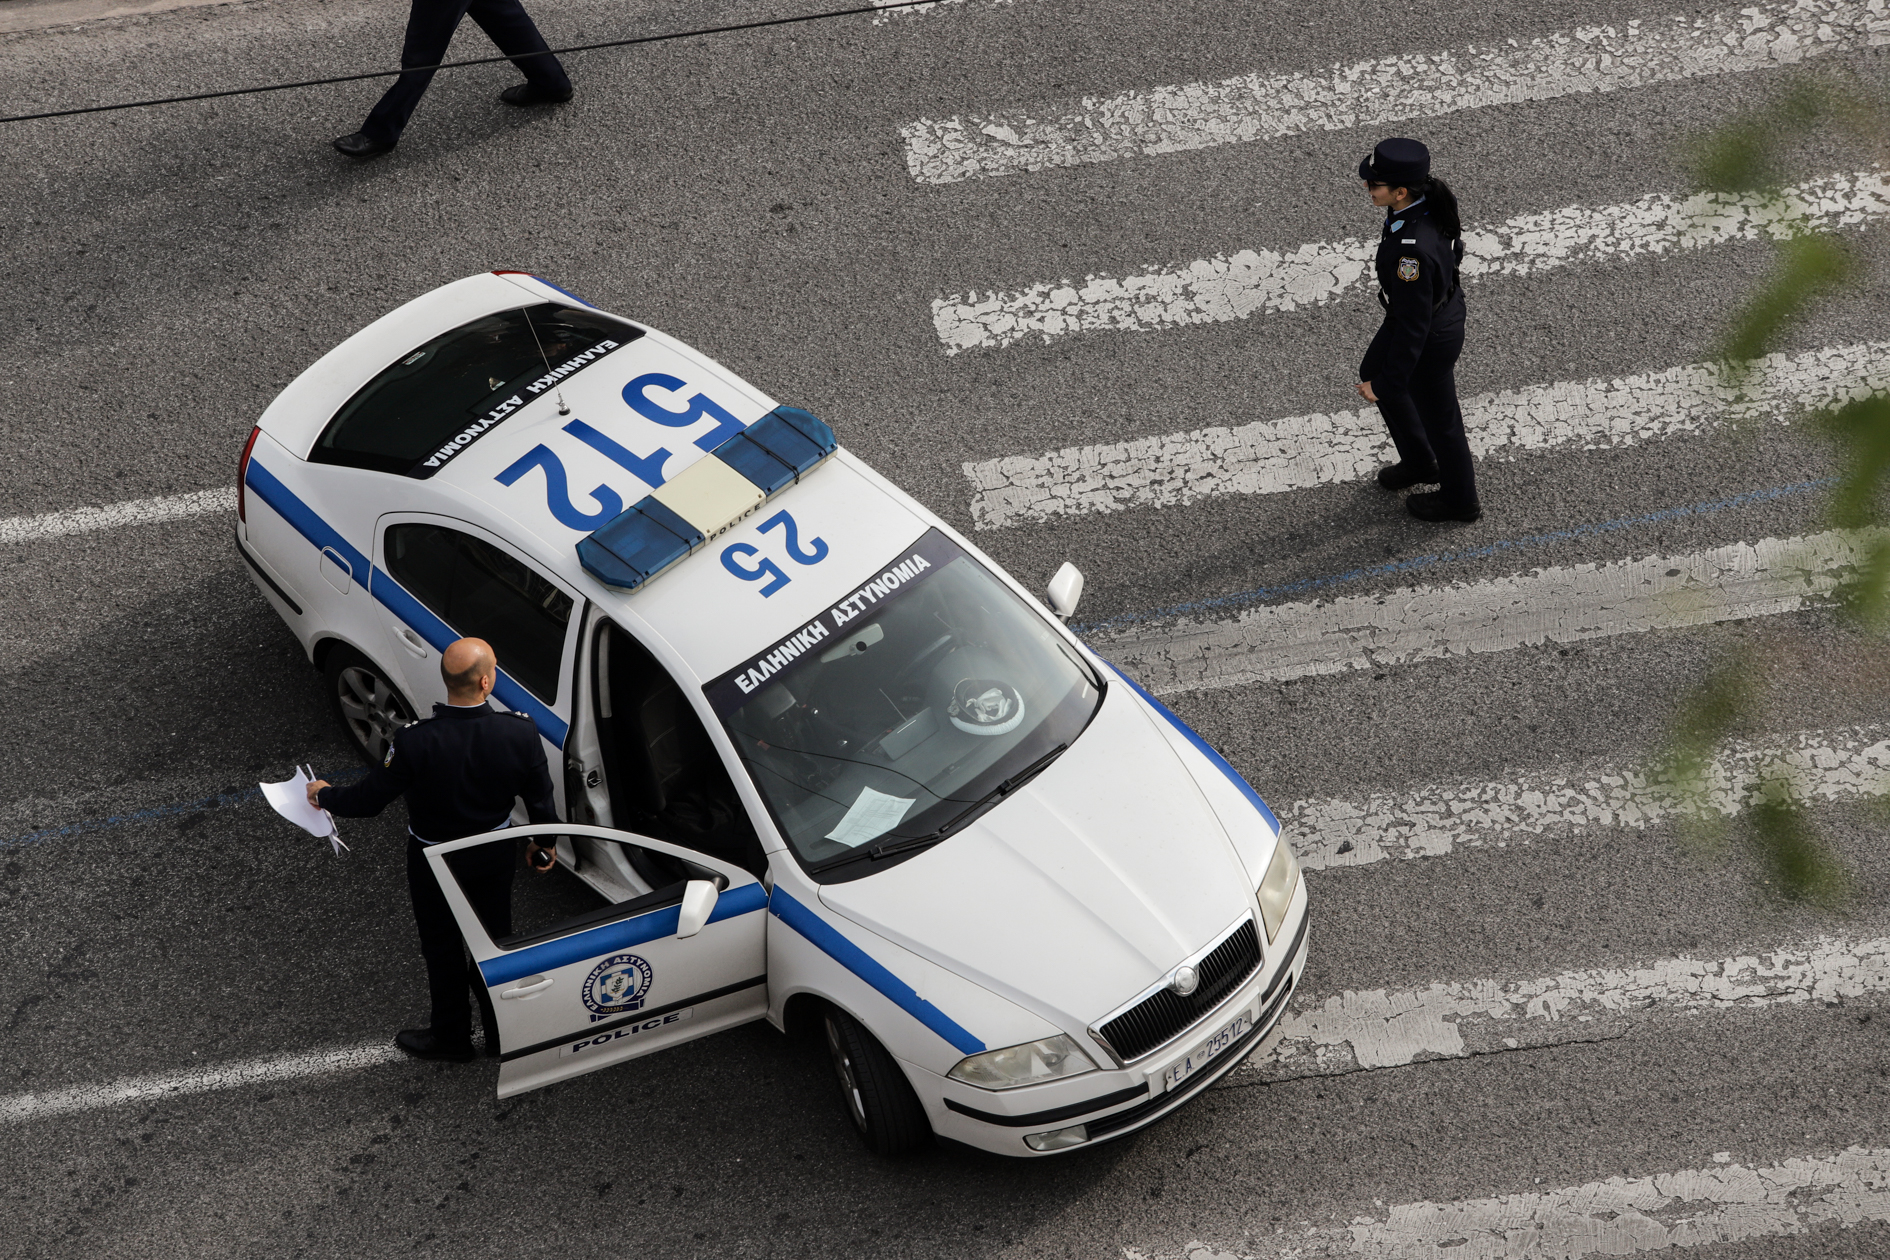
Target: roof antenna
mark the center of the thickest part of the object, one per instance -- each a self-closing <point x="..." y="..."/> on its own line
<point x="562" y="409"/>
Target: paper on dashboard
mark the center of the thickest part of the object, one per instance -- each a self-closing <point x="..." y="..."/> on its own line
<point x="872" y="815"/>
<point x="290" y="799"/>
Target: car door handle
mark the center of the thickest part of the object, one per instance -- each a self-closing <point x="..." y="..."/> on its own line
<point x="530" y="989"/>
<point x="413" y="643"/>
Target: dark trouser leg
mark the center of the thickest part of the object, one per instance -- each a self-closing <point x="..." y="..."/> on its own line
<point x="430" y="27"/>
<point x="1434" y="396"/>
<point x="507" y="24"/>
<point x="1407" y="431"/>
<point x="485" y="876"/>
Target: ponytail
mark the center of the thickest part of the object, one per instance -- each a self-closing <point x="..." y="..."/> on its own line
<point x="1443" y="204"/>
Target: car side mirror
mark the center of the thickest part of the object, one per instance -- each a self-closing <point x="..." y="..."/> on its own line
<point x="698" y="903"/>
<point x="1066" y="588"/>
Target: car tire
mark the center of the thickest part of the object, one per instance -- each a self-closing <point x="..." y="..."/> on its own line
<point x="366" y="700"/>
<point x="878" y="1098"/>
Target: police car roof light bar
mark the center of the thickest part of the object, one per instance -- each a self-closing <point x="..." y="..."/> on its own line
<point x="654" y="533"/>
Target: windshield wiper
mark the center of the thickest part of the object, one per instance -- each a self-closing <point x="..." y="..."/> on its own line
<point x="966" y="815"/>
<point x="906" y="844"/>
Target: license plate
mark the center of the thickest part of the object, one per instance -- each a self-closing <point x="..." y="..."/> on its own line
<point x="1198" y="1058"/>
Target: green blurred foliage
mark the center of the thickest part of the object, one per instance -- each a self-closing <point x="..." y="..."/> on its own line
<point x="1747" y="156"/>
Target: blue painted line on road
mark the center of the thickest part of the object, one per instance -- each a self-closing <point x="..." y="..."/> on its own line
<point x="221" y="800"/>
<point x="1441" y="558"/>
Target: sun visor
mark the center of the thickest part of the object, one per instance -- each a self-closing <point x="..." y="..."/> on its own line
<point x="707" y="497"/>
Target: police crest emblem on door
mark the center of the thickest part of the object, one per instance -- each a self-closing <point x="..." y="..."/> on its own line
<point x="617" y="986"/>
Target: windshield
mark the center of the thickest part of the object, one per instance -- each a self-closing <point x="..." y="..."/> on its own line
<point x="904" y="710"/>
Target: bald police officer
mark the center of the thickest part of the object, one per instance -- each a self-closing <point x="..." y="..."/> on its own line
<point x="1410" y="368"/>
<point x="460" y="771"/>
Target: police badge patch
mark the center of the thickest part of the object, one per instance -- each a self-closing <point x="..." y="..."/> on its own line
<point x="1407" y="269"/>
<point x="617" y="985"/>
<point x="388" y="760"/>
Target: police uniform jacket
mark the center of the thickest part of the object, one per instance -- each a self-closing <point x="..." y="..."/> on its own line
<point x="459" y="770"/>
<point x="1417" y="286"/>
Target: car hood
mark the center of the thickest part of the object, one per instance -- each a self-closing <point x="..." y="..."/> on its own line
<point x="1081" y="890"/>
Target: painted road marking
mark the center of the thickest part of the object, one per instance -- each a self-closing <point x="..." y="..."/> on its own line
<point x="163" y="1085"/>
<point x="1186" y="116"/>
<point x="170" y="507"/>
<point x="1551" y="605"/>
<point x="1351" y="1031"/>
<point x="1298" y="452"/>
<point x="1435" y="821"/>
<point x="1252" y="282"/>
<point x="1622" y="1216"/>
<point x="919" y="10"/>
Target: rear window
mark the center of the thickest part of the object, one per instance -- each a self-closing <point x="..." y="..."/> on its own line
<point x="440" y="398"/>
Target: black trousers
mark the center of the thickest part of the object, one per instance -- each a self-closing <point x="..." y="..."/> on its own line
<point x="485" y="876"/>
<point x="430" y="27"/>
<point x="1426" y="421"/>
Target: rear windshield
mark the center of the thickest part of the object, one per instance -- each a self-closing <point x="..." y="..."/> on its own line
<point x="440" y="398"/>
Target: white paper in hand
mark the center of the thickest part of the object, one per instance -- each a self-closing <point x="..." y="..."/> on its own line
<point x="873" y="814"/>
<point x="290" y="799"/>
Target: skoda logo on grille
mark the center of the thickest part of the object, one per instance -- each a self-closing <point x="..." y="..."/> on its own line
<point x="1186" y="980"/>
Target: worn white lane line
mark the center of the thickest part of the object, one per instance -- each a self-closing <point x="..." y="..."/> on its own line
<point x="1622" y="1216"/>
<point x="1185" y="116"/>
<point x="1298" y="452"/>
<point x="920" y="10"/>
<point x="1380" y="1028"/>
<point x="1435" y="821"/>
<point x="1550" y="605"/>
<point x="155" y="1088"/>
<point x="170" y="507"/>
<point x="1252" y="282"/>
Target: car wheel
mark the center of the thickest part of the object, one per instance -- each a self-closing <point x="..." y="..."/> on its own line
<point x="878" y="1097"/>
<point x="371" y="708"/>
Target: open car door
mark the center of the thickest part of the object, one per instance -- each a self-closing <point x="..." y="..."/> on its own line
<point x="659" y="945"/>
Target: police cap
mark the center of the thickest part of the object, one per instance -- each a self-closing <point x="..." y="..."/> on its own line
<point x="1398" y="162"/>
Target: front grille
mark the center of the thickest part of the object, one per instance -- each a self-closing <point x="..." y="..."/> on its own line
<point x="1162" y="1015"/>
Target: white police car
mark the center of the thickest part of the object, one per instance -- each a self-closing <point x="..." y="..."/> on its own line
<point x="823" y="762"/>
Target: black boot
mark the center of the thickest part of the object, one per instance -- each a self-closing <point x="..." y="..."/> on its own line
<point x="1405" y="473"/>
<point x="530" y="94"/>
<point x="362" y="145"/>
<point x="423" y="1043"/>
<point x="1435" y="507"/>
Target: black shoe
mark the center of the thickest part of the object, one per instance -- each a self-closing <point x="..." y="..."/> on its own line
<point x="421" y="1043"/>
<point x="362" y="145"/>
<point x="1404" y="473"/>
<point x="532" y="94"/>
<point x="1435" y="507"/>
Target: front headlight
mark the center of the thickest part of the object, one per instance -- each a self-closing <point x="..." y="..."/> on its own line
<point x="1276" y="890"/>
<point x="1046" y="1060"/>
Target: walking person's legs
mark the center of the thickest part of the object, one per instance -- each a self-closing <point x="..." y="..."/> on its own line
<point x="509" y="27"/>
<point x="1434" y="394"/>
<point x="1416" y="464"/>
<point x="430" y="27"/>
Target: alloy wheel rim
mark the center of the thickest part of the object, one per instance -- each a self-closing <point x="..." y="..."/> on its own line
<point x="371" y="708"/>
<point x="843" y="1066"/>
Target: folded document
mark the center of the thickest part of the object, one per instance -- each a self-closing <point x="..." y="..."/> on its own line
<point x="290" y="799"/>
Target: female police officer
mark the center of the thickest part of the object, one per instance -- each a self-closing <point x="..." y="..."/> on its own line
<point x="1409" y="369"/>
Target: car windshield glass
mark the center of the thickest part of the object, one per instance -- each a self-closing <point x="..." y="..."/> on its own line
<point x="462" y="383"/>
<point x="904" y="709"/>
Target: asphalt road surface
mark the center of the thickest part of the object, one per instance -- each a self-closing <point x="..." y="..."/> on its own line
<point x="1031" y="264"/>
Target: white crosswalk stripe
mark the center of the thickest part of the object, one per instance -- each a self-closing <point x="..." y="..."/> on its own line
<point x="1253" y="282"/>
<point x="1551" y="605"/>
<point x="170" y="507"/>
<point x="1297" y="452"/>
<point x="1350" y="1032"/>
<point x="1621" y="1216"/>
<point x="162" y="1085"/>
<point x="1437" y="820"/>
<point x="1587" y="59"/>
